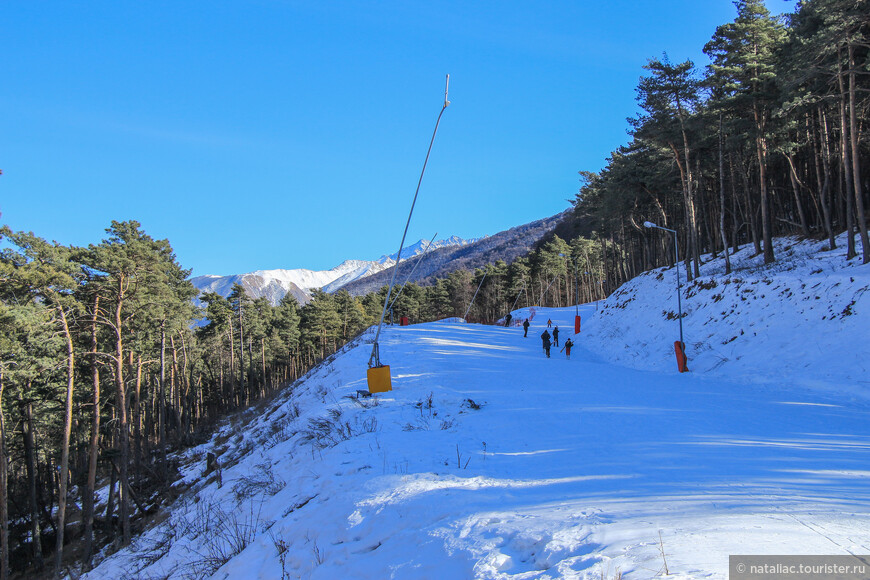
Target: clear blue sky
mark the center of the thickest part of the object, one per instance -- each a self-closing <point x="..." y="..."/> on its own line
<point x="282" y="134"/>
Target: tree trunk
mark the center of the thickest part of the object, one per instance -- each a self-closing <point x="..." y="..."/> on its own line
<point x="750" y="208"/>
<point x="805" y="230"/>
<point x="847" y="163"/>
<point x="241" y="356"/>
<point x="686" y="180"/>
<point x="825" y="190"/>
<point x="761" y="152"/>
<point x="161" y="404"/>
<point x="175" y="390"/>
<point x="64" y="455"/>
<point x="856" y="163"/>
<point x="737" y="213"/>
<point x="188" y="408"/>
<point x="232" y="363"/>
<point x="263" y="358"/>
<point x="123" y="427"/>
<point x="110" y="504"/>
<point x="137" y="420"/>
<point x="4" y="492"/>
<point x="722" y="198"/>
<point x="30" y="464"/>
<point x="93" y="450"/>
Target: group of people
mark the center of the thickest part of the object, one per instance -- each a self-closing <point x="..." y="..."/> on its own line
<point x="545" y="337"/>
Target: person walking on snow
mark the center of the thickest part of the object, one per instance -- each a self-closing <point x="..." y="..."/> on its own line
<point x="545" y="336"/>
<point x="526" y="328"/>
<point x="567" y="348"/>
<point x="556" y="336"/>
<point x="507" y="320"/>
<point x="549" y="323"/>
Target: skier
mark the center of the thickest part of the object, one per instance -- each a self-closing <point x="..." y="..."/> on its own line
<point x="545" y="336"/>
<point x="507" y="320"/>
<point x="567" y="348"/>
<point x="526" y="328"/>
<point x="549" y="323"/>
<point x="556" y="336"/>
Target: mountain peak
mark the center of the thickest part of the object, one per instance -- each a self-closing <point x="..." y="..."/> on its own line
<point x="421" y="245"/>
<point x="274" y="284"/>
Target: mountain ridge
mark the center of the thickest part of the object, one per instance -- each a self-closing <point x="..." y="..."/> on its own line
<point x="361" y="276"/>
<point x="507" y="245"/>
<point x="299" y="282"/>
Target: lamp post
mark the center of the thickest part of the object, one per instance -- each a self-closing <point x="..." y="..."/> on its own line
<point x="679" y="304"/>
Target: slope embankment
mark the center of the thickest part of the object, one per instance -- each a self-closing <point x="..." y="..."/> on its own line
<point x="802" y="321"/>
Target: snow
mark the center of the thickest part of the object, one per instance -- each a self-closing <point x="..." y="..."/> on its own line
<point x="489" y="460"/>
<point x="274" y="284"/>
<point x="420" y="246"/>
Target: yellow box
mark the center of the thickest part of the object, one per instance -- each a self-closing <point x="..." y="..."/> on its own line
<point x="379" y="379"/>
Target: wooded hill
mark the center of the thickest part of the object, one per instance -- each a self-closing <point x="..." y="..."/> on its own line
<point x="436" y="264"/>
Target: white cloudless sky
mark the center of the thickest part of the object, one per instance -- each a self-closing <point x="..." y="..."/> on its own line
<point x="282" y="134"/>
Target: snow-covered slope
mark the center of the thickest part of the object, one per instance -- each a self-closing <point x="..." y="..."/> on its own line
<point x="804" y="317"/>
<point x="364" y="270"/>
<point x="489" y="460"/>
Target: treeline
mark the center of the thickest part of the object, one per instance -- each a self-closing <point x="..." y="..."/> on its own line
<point x="556" y="274"/>
<point x="107" y="365"/>
<point x="769" y="139"/>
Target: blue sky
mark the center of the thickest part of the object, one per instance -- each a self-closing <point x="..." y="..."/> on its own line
<point x="282" y="134"/>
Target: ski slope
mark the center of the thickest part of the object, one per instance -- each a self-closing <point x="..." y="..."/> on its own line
<point x="489" y="460"/>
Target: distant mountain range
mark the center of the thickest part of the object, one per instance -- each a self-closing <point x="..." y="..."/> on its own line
<point x="360" y="277"/>
<point x="274" y="284"/>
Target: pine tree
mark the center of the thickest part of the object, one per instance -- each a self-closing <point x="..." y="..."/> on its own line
<point x="670" y="96"/>
<point x="744" y="54"/>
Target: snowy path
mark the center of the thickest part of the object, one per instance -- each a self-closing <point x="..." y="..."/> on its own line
<point x="569" y="469"/>
<point x="719" y="467"/>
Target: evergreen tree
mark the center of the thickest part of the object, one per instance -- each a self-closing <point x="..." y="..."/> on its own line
<point x="744" y="54"/>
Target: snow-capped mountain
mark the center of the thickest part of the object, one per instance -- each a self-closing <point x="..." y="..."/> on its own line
<point x="421" y="246"/>
<point x="274" y="284"/>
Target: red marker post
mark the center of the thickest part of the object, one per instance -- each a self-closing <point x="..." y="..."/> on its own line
<point x="682" y="361"/>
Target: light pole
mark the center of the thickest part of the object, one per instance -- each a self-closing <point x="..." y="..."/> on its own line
<point x="677" y="266"/>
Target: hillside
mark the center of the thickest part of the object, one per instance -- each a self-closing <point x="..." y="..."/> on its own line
<point x="488" y="460"/>
<point x="809" y="310"/>
<point x="507" y="245"/>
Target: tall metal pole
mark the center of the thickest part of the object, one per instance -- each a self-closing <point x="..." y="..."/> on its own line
<point x="414" y="269"/>
<point x="677" y="266"/>
<point x="518" y="297"/>
<point x="375" y="359"/>
<point x="475" y="296"/>
<point x="541" y="298"/>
